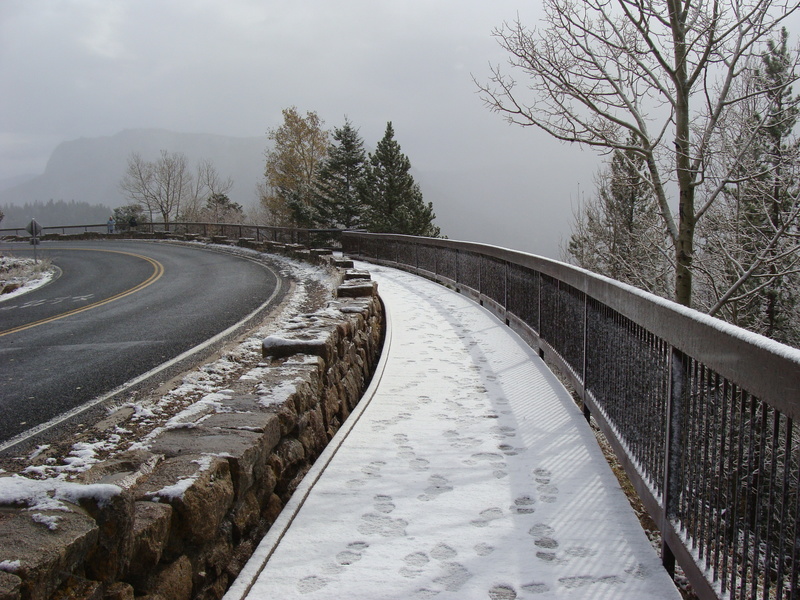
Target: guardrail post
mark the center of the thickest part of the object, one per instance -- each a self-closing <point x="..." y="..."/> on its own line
<point x="679" y="365"/>
<point x="586" y="412"/>
<point x="480" y="276"/>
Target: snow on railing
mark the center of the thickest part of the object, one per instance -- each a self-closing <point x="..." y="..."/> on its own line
<point x="703" y="415"/>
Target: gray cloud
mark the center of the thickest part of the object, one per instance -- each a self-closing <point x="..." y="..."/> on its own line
<point x="92" y="68"/>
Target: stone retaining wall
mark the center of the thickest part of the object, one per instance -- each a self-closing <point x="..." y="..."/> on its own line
<point x="178" y="517"/>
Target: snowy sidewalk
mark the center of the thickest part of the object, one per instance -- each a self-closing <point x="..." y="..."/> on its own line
<point x="468" y="472"/>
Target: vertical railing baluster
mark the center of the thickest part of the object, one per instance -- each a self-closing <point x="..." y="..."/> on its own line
<point x="794" y="589"/>
<point x="674" y="450"/>
<point x="712" y="447"/>
<point x="785" y="502"/>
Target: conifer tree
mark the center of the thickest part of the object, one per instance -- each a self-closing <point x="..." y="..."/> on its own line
<point x="393" y="199"/>
<point x="340" y="181"/>
<point x="751" y="252"/>
<point x="618" y="233"/>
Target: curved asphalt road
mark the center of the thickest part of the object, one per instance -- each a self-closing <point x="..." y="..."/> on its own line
<point x="118" y="309"/>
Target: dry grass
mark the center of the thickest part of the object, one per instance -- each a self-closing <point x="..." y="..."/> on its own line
<point x="15" y="272"/>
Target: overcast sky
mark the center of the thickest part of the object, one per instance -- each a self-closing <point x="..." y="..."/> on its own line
<point x="90" y="68"/>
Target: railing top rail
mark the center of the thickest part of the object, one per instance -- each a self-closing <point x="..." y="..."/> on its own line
<point x="763" y="367"/>
<point x="173" y="223"/>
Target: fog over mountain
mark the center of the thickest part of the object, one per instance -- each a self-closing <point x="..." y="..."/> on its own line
<point x="90" y="169"/>
<point x="474" y="204"/>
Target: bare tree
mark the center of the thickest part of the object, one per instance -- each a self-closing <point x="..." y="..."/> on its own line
<point x="662" y="71"/>
<point x="749" y="255"/>
<point x="207" y="183"/>
<point x="160" y="186"/>
<point x="617" y="233"/>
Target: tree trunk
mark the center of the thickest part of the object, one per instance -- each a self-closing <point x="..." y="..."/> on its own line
<point x="684" y="244"/>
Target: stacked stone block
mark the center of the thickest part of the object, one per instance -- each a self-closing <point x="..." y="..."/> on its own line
<point x="179" y="516"/>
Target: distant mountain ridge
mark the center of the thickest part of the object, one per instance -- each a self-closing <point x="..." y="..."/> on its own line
<point x="90" y="169"/>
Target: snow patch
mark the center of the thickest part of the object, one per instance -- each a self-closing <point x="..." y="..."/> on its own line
<point x="50" y="494"/>
<point x="276" y="395"/>
<point x="10" y="566"/>
<point x="178" y="489"/>
<point x="49" y="521"/>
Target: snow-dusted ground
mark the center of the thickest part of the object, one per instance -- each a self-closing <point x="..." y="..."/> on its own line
<point x="468" y="473"/>
<point x="29" y="275"/>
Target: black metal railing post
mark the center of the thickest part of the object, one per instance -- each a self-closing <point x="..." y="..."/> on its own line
<point x="584" y="367"/>
<point x="678" y="369"/>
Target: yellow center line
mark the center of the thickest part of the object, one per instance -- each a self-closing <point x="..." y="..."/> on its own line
<point x="158" y="271"/>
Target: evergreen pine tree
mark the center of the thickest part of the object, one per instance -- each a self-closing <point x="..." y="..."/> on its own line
<point x="781" y="154"/>
<point x="741" y="231"/>
<point x="618" y="233"/>
<point x="337" y="197"/>
<point x="393" y="200"/>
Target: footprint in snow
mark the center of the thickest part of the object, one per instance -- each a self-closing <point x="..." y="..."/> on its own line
<point x="352" y="554"/>
<point x="544" y="538"/>
<point x="580" y="551"/>
<point x="487" y="516"/>
<point x="548" y="491"/>
<point x="523" y="505"/>
<point x="373" y="469"/>
<point x="437" y="485"/>
<point x="419" y="464"/>
<point x="541" y="530"/>
<point x="536" y="588"/>
<point x="465" y="443"/>
<point x="406" y="452"/>
<point x="492" y="457"/>
<point x="379" y="522"/>
<point x="502" y="431"/>
<point x="454" y="577"/>
<point x="383" y="503"/>
<point x="483" y="549"/>
<point x="417" y="559"/>
<point x="584" y="580"/>
<point x="502" y="592"/>
<point x="415" y="564"/>
<point x="443" y="552"/>
<point x="509" y="450"/>
<point x="312" y="583"/>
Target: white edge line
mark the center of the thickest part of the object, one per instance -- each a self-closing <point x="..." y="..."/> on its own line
<point x="33" y="431"/>
<point x="248" y="576"/>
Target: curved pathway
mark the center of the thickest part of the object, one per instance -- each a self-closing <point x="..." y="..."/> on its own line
<point x="468" y="472"/>
<point x="117" y="311"/>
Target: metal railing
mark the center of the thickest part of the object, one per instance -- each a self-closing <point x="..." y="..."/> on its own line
<point x="703" y="415"/>
<point x="259" y="233"/>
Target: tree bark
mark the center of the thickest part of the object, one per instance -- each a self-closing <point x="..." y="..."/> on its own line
<point x="684" y="244"/>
